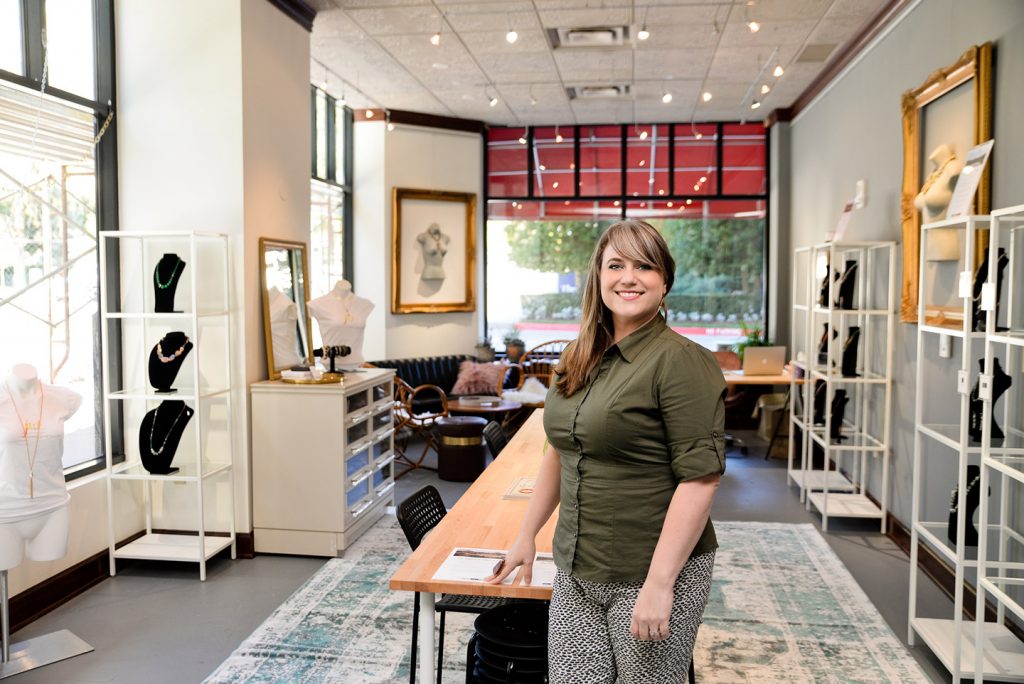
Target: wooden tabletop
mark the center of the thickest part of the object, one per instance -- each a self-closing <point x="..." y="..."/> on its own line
<point x="734" y="378"/>
<point x="483" y="519"/>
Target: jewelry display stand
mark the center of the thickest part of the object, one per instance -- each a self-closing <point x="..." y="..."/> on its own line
<point x="35" y="652"/>
<point x="845" y="403"/>
<point x="197" y="521"/>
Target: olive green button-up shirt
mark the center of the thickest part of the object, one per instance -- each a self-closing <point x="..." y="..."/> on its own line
<point x="651" y="416"/>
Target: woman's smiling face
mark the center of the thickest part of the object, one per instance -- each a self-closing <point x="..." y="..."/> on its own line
<point x="632" y="291"/>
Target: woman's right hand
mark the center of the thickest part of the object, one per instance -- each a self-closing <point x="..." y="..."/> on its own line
<point x="522" y="553"/>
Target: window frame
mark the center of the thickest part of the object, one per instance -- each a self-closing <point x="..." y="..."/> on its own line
<point x="33" y="18"/>
<point x="623" y="197"/>
<point x="347" y="243"/>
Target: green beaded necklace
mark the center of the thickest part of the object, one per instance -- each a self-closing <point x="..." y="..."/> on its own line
<point x="167" y="284"/>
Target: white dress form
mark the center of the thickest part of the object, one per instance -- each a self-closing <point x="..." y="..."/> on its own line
<point x="933" y="199"/>
<point x="341" y="316"/>
<point x="33" y="494"/>
<point x="284" y="318"/>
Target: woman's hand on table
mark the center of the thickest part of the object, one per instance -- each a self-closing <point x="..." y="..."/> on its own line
<point x="522" y="553"/>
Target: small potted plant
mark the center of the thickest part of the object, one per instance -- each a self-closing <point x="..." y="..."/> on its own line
<point x="514" y="347"/>
<point x="484" y="349"/>
<point x="753" y="336"/>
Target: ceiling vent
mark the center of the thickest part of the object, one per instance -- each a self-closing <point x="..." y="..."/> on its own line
<point x="597" y="92"/>
<point x="589" y="37"/>
<point x="816" y="52"/>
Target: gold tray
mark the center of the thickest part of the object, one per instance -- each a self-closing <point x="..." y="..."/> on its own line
<point x="325" y="379"/>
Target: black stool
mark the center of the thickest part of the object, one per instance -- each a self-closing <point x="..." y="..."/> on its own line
<point x="462" y="454"/>
<point x="510" y="645"/>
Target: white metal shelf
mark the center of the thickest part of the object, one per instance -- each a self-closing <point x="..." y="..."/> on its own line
<point x="844" y="504"/>
<point x="187" y="472"/>
<point x="953" y="331"/>
<point x="1002" y="459"/>
<point x="1003" y="653"/>
<point x="206" y="253"/>
<point x="839" y="489"/>
<point x="836" y="376"/>
<point x="174" y="547"/>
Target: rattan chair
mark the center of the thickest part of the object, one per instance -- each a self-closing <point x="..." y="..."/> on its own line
<point x="409" y="424"/>
<point x="540" y="361"/>
<point x="417" y="515"/>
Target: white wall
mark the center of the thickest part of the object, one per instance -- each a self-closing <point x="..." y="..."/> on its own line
<point x="853" y="132"/>
<point x="410" y="157"/>
<point x="213" y="135"/>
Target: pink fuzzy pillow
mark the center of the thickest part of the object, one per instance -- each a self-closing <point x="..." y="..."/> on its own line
<point x="478" y="378"/>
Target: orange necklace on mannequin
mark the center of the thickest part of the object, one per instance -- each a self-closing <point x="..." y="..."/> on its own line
<point x="25" y="427"/>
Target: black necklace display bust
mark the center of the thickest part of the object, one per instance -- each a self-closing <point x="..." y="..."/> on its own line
<point x="165" y="360"/>
<point x="165" y="282"/>
<point x="159" y="434"/>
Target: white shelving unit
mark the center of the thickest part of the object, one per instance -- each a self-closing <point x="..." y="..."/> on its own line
<point x="188" y="515"/>
<point x="943" y="449"/>
<point x="1000" y="554"/>
<point x="839" y="488"/>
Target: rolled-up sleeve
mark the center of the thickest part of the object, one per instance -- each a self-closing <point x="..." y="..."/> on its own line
<point x="691" y="397"/>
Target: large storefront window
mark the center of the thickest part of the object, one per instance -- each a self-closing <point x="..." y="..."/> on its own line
<point x="702" y="186"/>
<point x="330" y="240"/>
<point x="52" y="107"/>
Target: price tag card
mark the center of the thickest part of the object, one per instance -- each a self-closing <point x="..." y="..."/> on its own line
<point x="988" y="296"/>
<point x="966" y="286"/>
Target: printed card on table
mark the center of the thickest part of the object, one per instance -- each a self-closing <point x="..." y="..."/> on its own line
<point x="470" y="565"/>
<point x="521" y="488"/>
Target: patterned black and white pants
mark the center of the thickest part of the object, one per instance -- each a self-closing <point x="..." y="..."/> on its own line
<point x="588" y="630"/>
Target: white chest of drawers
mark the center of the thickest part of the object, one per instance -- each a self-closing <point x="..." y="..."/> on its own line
<point x="322" y="462"/>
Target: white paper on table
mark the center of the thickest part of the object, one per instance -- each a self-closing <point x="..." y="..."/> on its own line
<point x="543" y="570"/>
<point x="470" y="565"/>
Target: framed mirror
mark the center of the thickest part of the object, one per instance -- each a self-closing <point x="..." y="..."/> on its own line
<point x="284" y="279"/>
<point x="952" y="106"/>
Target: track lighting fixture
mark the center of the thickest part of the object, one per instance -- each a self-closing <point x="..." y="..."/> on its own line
<point x="643" y="135"/>
<point x="558" y="136"/>
<point x="643" y="33"/>
<point x="369" y="113"/>
<point x="511" y="36"/>
<point x="753" y="26"/>
<point x="778" y="71"/>
<point x="667" y="97"/>
<point x="706" y="96"/>
<point x="756" y="104"/>
<point x="435" y="39"/>
<point x="765" y="88"/>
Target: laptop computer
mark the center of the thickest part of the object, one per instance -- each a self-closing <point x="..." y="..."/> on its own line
<point x="763" y="360"/>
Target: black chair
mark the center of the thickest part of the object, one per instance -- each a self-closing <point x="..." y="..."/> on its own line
<point x="495" y="437"/>
<point x="418" y="514"/>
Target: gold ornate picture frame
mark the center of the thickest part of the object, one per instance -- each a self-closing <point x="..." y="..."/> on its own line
<point x="433" y="251"/>
<point x="975" y="64"/>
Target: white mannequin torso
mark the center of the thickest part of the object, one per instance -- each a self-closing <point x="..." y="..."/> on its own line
<point x="24" y="514"/>
<point x="937" y="189"/>
<point x="341" y="316"/>
<point x="434" y="244"/>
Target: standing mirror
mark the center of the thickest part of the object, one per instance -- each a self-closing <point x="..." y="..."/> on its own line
<point x="284" y="277"/>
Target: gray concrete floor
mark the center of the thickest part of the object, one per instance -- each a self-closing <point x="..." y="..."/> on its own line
<point x="156" y="623"/>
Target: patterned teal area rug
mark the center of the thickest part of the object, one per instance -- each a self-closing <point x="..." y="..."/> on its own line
<point x="783" y="608"/>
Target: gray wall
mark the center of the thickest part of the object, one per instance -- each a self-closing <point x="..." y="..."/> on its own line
<point x="853" y="132"/>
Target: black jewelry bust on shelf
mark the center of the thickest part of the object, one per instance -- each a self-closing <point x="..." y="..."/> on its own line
<point x="165" y="282"/>
<point x="165" y="360"/>
<point x="849" y="367"/>
<point x="160" y="433"/>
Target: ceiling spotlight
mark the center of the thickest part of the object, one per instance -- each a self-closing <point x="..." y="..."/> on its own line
<point x="555" y="184"/>
<point x="543" y="168"/>
<point x="706" y="96"/>
<point x="765" y="88"/>
<point x="698" y="135"/>
<point x="778" y="71"/>
<point x="493" y="101"/>
<point x="756" y="104"/>
<point x="435" y="39"/>
<point x="753" y="26"/>
<point x="511" y="36"/>
<point x="522" y="140"/>
<point x="643" y="33"/>
<point x="666" y="98"/>
<point x="689" y="201"/>
<point x="642" y="162"/>
<point x="697" y="187"/>
<point x="369" y="113"/>
<point x="341" y="100"/>
<point x="391" y="126"/>
<point x="703" y="179"/>
<point x="558" y="136"/>
<point x="533" y="100"/>
<point x="669" y="205"/>
<point x="643" y="135"/>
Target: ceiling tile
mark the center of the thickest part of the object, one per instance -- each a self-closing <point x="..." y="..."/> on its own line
<point x="380" y="21"/>
<point x="515" y="15"/>
<point x="838" y="31"/>
<point x="571" y="18"/>
<point x="672" y="63"/>
<point x="861" y="9"/>
<point x="787" y="10"/>
<point x="501" y="67"/>
<point x="493" y="42"/>
<point x="656" y="17"/>
<point x="772" y="33"/>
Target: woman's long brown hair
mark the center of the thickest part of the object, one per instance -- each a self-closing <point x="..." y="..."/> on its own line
<point x="634" y="240"/>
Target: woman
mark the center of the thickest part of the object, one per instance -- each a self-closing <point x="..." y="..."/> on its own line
<point x="635" y="424"/>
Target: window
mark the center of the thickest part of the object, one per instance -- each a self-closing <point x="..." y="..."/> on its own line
<point x="56" y="189"/>
<point x="330" y="240"/>
<point x="703" y="186"/>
